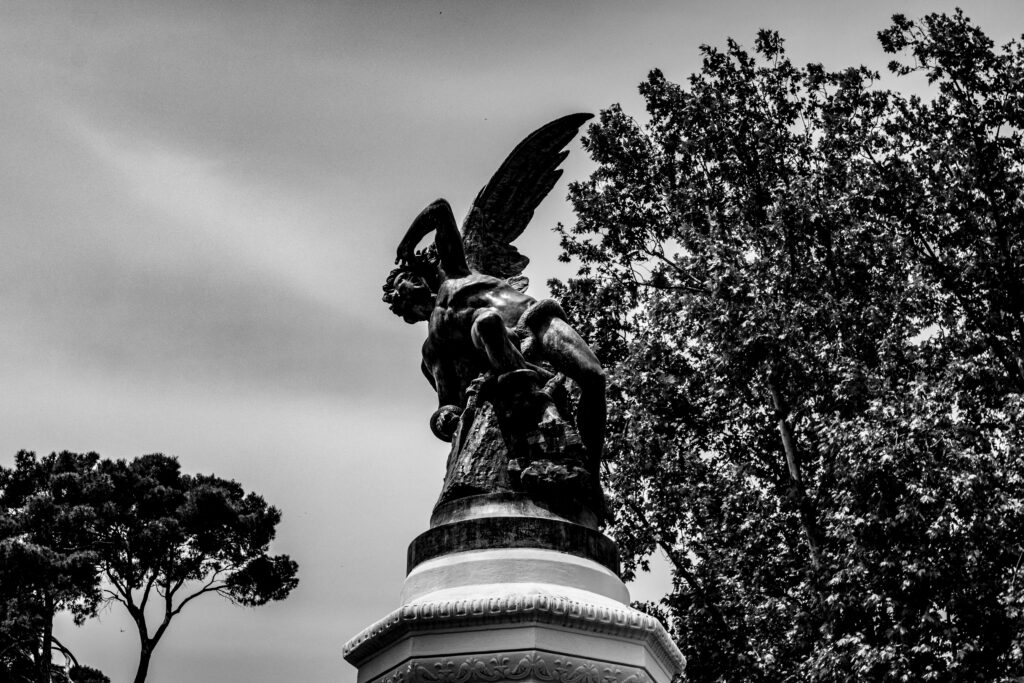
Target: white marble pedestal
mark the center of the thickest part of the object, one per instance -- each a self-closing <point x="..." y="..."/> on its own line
<point x="497" y="614"/>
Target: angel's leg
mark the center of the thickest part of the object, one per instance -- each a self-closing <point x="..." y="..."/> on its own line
<point x="568" y="353"/>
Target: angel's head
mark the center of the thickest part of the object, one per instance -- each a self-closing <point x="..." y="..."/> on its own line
<point x="408" y="292"/>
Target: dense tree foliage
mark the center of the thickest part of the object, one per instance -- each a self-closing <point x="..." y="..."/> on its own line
<point x="45" y="513"/>
<point x="807" y="290"/>
<point x="77" y="530"/>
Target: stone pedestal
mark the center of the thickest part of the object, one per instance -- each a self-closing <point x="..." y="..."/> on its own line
<point x="500" y="589"/>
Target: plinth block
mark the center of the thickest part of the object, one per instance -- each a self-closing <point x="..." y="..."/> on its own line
<point x="483" y="533"/>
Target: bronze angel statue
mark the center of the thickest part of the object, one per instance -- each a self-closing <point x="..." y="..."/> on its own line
<point x="483" y="327"/>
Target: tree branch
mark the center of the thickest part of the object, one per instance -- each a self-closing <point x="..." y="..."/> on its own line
<point x="211" y="589"/>
<point x="210" y="586"/>
<point x="146" y="591"/>
<point x="697" y="288"/>
<point x="808" y="515"/>
<point x="109" y="573"/>
<point x="112" y="595"/>
<point x="60" y="647"/>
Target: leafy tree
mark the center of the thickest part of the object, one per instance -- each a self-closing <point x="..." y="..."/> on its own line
<point x="86" y="674"/>
<point x="170" y="538"/>
<point x="958" y="167"/>
<point x="807" y="291"/>
<point x="46" y="565"/>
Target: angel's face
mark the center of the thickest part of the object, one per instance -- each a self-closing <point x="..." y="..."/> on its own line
<point x="414" y="301"/>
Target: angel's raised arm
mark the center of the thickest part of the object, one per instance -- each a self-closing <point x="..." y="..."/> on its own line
<point x="437" y="217"/>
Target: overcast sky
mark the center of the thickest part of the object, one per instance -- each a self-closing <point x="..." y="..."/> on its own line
<point x="200" y="202"/>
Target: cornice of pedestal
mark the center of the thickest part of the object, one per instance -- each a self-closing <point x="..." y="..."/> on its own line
<point x="515" y="609"/>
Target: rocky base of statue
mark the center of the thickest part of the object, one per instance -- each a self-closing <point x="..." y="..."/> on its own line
<point x="516" y="435"/>
<point x="502" y="589"/>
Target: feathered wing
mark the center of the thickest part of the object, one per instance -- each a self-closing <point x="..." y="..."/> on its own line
<point x="506" y="203"/>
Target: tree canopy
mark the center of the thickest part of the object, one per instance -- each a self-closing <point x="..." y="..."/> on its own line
<point x="807" y="290"/>
<point x="171" y="537"/>
<point x="45" y="567"/>
<point x="77" y="531"/>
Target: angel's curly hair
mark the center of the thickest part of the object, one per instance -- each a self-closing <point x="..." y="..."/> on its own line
<point x="425" y="266"/>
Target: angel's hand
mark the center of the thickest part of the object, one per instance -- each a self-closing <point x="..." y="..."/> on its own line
<point x="406" y="252"/>
<point x="445" y="421"/>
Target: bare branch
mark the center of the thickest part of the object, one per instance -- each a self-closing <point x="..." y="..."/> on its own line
<point x="111" y="577"/>
<point x="146" y="591"/>
<point x="698" y="287"/>
<point x="208" y="588"/>
<point x="112" y="595"/>
<point x="60" y="647"/>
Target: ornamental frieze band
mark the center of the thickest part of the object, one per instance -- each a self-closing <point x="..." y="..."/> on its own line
<point x="513" y="666"/>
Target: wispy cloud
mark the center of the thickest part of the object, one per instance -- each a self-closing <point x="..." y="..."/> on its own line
<point x="223" y="221"/>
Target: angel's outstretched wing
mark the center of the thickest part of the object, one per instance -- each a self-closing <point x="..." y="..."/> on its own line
<point x="506" y="204"/>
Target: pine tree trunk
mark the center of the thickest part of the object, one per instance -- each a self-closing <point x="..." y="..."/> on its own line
<point x="43" y="665"/>
<point x="144" y="655"/>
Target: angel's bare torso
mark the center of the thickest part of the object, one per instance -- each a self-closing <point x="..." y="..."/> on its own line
<point x="461" y="300"/>
<point x="460" y="305"/>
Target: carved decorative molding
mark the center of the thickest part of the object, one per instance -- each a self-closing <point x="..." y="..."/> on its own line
<point x="512" y="666"/>
<point x="523" y="609"/>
